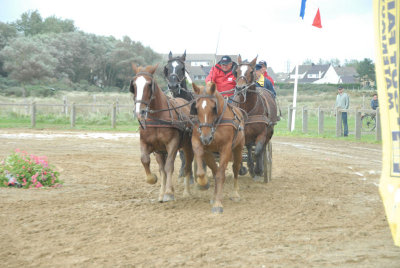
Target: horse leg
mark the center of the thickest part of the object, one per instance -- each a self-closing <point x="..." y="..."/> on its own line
<point x="259" y="155"/>
<point x="201" y="179"/>
<point x="145" y="158"/>
<point x="224" y="157"/>
<point x="182" y="169"/>
<point x="188" y="152"/>
<point x="237" y="161"/>
<point x="250" y="161"/>
<point x="160" y="157"/>
<point x="172" y="149"/>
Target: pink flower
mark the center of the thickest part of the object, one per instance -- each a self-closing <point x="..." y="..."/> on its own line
<point x="38" y="185"/>
<point x="35" y="176"/>
<point x="24" y="180"/>
<point x="23" y="167"/>
<point x="17" y="150"/>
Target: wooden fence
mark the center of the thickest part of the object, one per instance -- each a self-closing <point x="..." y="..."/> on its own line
<point x="71" y="111"/>
<point x="338" y="112"/>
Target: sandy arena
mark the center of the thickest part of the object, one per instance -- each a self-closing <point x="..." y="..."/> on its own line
<point x="322" y="209"/>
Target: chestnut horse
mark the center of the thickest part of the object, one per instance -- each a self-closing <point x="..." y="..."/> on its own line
<point x="219" y="129"/>
<point x="261" y="110"/>
<point x="163" y="130"/>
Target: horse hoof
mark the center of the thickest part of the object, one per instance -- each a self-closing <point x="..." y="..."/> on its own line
<point x="151" y="179"/>
<point x="242" y="171"/>
<point x="258" y="179"/>
<point x="217" y="210"/>
<point x="168" y="197"/>
<point x="203" y="187"/>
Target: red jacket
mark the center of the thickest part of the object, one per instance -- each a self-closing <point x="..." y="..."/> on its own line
<point x="269" y="78"/>
<point x="224" y="81"/>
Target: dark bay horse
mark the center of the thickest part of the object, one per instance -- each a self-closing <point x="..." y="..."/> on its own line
<point x="261" y="111"/>
<point x="219" y="129"/>
<point x="175" y="73"/>
<point x="163" y="130"/>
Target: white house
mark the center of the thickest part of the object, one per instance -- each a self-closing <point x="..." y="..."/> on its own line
<point x="323" y="74"/>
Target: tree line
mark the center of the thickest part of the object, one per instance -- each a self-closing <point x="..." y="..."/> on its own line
<point x="35" y="49"/>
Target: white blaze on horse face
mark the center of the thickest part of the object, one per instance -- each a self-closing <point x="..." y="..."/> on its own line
<point x="243" y="69"/>
<point x="140" y="83"/>
<point x="174" y="64"/>
<point x="203" y="105"/>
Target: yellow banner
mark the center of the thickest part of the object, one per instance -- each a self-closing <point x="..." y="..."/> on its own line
<point x="387" y="35"/>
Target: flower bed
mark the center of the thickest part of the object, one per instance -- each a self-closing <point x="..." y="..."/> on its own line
<point x="27" y="171"/>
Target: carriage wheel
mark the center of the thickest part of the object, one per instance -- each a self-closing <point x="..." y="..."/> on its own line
<point x="268" y="162"/>
<point x="368" y="122"/>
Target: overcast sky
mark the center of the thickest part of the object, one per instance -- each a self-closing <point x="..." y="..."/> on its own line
<point x="271" y="29"/>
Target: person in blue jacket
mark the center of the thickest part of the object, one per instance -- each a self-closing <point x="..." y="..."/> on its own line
<point x="374" y="102"/>
<point x="261" y="81"/>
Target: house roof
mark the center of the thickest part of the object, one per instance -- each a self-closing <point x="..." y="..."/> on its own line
<point x="347" y="74"/>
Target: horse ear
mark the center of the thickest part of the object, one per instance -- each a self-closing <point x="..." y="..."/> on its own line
<point x="253" y="62"/>
<point x="132" y="88"/>
<point x="196" y="89"/>
<point x="193" y="109"/>
<point x="134" y="68"/>
<point x="183" y="58"/>
<point x="165" y="71"/>
<point x="153" y="69"/>
<point x="240" y="59"/>
<point x="212" y="88"/>
<point x="234" y="72"/>
<point x="170" y="55"/>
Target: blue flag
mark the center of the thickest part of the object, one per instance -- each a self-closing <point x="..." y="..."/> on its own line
<point x="303" y="8"/>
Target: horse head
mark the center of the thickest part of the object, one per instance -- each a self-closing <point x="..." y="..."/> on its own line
<point x="174" y="71"/>
<point x="244" y="73"/>
<point x="143" y="88"/>
<point x="208" y="108"/>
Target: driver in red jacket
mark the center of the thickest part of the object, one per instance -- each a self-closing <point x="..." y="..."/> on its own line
<point x="221" y="74"/>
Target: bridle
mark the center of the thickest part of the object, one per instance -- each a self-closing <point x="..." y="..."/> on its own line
<point x="146" y="103"/>
<point x="213" y="126"/>
<point x="170" y="76"/>
<point x="242" y="90"/>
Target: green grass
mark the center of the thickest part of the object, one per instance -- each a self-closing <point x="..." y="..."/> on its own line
<point x="125" y="122"/>
<point x="281" y="129"/>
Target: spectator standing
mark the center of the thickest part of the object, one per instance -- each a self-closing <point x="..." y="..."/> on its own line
<point x="343" y="102"/>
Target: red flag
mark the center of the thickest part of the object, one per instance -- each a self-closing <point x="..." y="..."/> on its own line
<point x="317" y="20"/>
